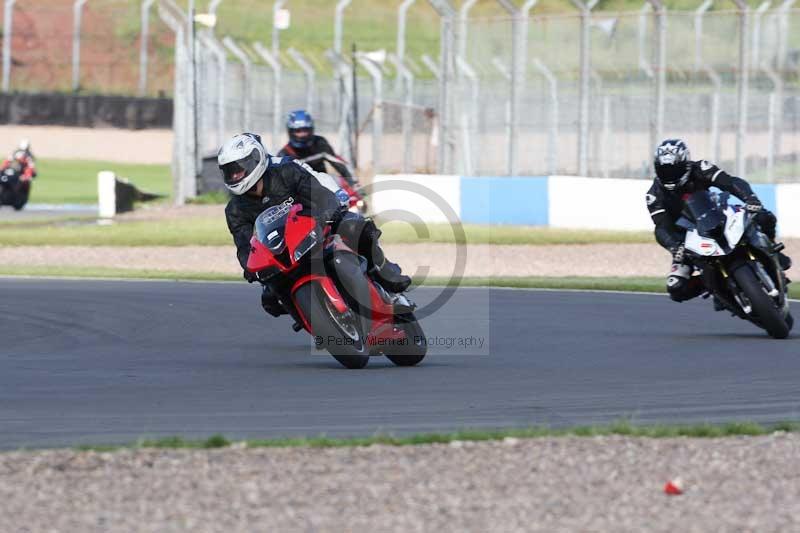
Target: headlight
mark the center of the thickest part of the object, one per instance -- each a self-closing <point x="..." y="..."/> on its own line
<point x="360" y="203"/>
<point x="306" y="244"/>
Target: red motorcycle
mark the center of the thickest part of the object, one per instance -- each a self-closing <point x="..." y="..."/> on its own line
<point x="323" y="284"/>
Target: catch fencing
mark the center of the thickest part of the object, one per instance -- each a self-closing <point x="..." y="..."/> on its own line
<point x="497" y="89"/>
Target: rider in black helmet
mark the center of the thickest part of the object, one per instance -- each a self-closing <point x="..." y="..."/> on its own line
<point x="314" y="149"/>
<point x="676" y="176"/>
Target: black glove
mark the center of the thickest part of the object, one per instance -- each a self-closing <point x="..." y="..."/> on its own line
<point x="250" y="276"/>
<point x="753" y="205"/>
<point x="678" y="254"/>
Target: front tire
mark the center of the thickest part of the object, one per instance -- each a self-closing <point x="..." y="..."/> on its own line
<point x="338" y="333"/>
<point x="414" y="351"/>
<point x="765" y="309"/>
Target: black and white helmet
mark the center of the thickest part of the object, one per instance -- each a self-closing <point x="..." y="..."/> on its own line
<point x="243" y="160"/>
<point x="672" y="163"/>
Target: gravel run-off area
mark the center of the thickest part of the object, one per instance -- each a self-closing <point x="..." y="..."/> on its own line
<point x="483" y="260"/>
<point x="566" y="484"/>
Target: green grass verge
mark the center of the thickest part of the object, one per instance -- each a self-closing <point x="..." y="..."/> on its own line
<point x="622" y="428"/>
<point x="398" y="232"/>
<point x="195" y="231"/>
<point x="66" y="181"/>
<point x="212" y="231"/>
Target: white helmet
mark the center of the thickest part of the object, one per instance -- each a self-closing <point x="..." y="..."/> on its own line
<point x="243" y="161"/>
<point x="24" y="144"/>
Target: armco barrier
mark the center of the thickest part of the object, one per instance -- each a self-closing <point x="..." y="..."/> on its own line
<point x="555" y="201"/>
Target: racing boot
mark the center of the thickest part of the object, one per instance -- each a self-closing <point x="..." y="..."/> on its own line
<point x="783" y="260"/>
<point x="271" y="303"/>
<point x="390" y="277"/>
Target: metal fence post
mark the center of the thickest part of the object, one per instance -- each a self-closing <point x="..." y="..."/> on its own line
<point x="431" y="65"/>
<point x="552" y="141"/>
<point x="337" y="25"/>
<point x="145" y="33"/>
<point x="698" y="33"/>
<point x="183" y="157"/>
<point x="469" y="121"/>
<point x="783" y="23"/>
<point x="463" y="28"/>
<point x="742" y="90"/>
<point x="377" y="109"/>
<point x="644" y="62"/>
<point x="402" y="11"/>
<point x="222" y="60"/>
<point x="408" y="102"/>
<point x="247" y="64"/>
<point x="773" y="143"/>
<point x="715" y="98"/>
<point x="583" y="110"/>
<point x="276" y="38"/>
<point x="661" y="71"/>
<point x="277" y="103"/>
<point x="8" y="28"/>
<point x="506" y="74"/>
<point x="517" y="81"/>
<point x="212" y="6"/>
<point x="343" y="71"/>
<point x="446" y="13"/>
<point x="757" y="14"/>
<point x="311" y="77"/>
<point x="77" y="15"/>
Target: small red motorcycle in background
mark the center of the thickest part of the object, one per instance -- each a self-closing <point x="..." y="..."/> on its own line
<point x="14" y="187"/>
<point x="358" y="202"/>
<point x="323" y="284"/>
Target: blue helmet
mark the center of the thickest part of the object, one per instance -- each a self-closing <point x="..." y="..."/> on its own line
<point x="300" y="127"/>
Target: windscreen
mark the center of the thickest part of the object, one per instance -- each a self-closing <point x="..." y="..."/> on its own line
<point x="705" y="212"/>
<point x="270" y="225"/>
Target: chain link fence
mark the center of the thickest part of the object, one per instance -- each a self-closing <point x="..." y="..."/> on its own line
<point x="505" y="92"/>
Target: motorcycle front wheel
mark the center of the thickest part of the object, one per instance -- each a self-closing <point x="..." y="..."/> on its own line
<point x="338" y="333"/>
<point x="764" y="307"/>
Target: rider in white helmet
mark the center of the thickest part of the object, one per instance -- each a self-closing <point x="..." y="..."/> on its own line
<point x="258" y="180"/>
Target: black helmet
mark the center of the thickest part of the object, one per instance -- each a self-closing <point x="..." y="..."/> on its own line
<point x="300" y="127"/>
<point x="672" y="160"/>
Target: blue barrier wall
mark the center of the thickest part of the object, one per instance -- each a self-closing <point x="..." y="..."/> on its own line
<point x="521" y="201"/>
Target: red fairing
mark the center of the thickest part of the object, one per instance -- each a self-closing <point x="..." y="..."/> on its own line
<point x="328" y="287"/>
<point x="297" y="228"/>
<point x="260" y="257"/>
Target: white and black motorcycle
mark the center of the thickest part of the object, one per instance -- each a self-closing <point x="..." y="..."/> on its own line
<point x="737" y="261"/>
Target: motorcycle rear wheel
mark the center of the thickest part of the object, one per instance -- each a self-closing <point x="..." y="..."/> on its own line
<point x="338" y="333"/>
<point x="764" y="307"/>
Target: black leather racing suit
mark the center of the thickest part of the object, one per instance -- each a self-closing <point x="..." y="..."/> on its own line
<point x="318" y="145"/>
<point x="665" y="209"/>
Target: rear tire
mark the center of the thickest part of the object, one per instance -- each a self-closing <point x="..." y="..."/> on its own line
<point x="339" y="334"/>
<point x="764" y="307"/>
<point x="414" y="351"/>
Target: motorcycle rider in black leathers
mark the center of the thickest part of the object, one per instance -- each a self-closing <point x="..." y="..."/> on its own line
<point x="677" y="175"/>
<point x="258" y="181"/>
<point x="304" y="144"/>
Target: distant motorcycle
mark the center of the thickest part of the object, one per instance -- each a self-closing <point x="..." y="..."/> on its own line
<point x="323" y="284"/>
<point x="357" y="197"/>
<point x="14" y="190"/>
<point x="738" y="262"/>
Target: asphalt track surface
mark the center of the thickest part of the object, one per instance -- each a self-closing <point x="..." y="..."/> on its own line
<point x="114" y="361"/>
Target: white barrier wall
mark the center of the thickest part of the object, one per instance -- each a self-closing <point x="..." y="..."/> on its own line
<point x="555" y="201"/>
<point x="420" y="196"/>
<point x="592" y="203"/>
<point x="787" y="200"/>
